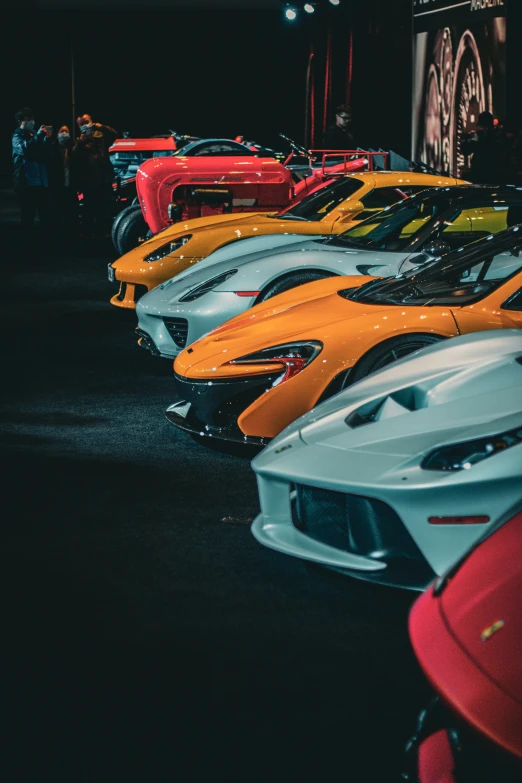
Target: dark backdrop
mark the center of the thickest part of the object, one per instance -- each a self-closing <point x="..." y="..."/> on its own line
<point x="206" y="72"/>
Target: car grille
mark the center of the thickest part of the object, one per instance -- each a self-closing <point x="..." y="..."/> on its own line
<point x="360" y="525"/>
<point x="178" y="330"/>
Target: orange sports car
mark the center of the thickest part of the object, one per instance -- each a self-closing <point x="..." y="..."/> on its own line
<point x="260" y="371"/>
<point x="330" y="209"/>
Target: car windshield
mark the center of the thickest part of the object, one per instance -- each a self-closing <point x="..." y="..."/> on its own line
<point x="458" y="278"/>
<point x="215" y="148"/>
<point x="398" y="227"/>
<point x="319" y="204"/>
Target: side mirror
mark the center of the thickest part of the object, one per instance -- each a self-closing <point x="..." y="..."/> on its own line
<point x="352" y="212"/>
<point x="436" y="247"/>
<point x="414" y="261"/>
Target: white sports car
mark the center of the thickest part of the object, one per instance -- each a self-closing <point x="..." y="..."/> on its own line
<point x="395" y="478"/>
<point x="236" y="277"/>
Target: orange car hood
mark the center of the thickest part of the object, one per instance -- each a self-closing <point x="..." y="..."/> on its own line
<point x="209" y="223"/>
<point x="299" y="314"/>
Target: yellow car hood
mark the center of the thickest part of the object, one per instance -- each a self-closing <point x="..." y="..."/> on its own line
<point x="208" y="222"/>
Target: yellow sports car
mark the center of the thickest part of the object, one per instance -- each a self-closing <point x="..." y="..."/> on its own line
<point x="331" y="209"/>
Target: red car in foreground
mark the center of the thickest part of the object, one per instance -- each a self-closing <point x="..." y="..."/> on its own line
<point x="466" y="631"/>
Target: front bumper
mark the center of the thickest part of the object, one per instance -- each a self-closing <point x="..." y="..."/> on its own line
<point x="212" y="408"/>
<point x="354" y="511"/>
<point x="172" y="327"/>
<point x="181" y="416"/>
<point x="356" y="535"/>
<point x="128" y="295"/>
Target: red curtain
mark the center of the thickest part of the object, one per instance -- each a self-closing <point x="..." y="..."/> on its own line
<point x="327" y="80"/>
<point x="349" y="69"/>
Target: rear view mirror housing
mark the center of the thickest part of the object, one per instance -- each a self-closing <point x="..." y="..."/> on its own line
<point x="436" y="248"/>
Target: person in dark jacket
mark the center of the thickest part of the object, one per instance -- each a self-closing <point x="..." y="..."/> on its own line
<point x="63" y="191"/>
<point x="94" y="174"/>
<point x="31" y="152"/>
<point x="339" y="136"/>
<point x="490" y="148"/>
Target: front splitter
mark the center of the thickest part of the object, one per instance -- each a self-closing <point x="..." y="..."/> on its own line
<point x="179" y="415"/>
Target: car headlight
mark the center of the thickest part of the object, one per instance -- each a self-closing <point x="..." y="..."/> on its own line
<point x="167" y="249"/>
<point x="209" y="285"/>
<point x="462" y="456"/>
<point x="293" y="356"/>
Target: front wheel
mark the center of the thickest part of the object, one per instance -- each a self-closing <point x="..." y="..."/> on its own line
<point x="291" y="281"/>
<point x="131" y="231"/>
<point x="388" y="352"/>
<point x="117" y="222"/>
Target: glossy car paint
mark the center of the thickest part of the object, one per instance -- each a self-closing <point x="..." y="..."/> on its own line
<point x="210" y="233"/>
<point x="256" y="273"/>
<point x="467" y="636"/>
<point x="260" y="183"/>
<point x="256" y="183"/>
<point x="347" y="329"/>
<point x="458" y="391"/>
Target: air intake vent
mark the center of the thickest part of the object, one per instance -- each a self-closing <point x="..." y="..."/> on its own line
<point x="387" y="407"/>
<point x="178" y="330"/>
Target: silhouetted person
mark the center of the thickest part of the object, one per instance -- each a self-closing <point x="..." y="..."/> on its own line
<point x="339" y="136"/>
<point x="63" y="191"/>
<point x="490" y="148"/>
<point x="32" y="150"/>
<point x="94" y="174"/>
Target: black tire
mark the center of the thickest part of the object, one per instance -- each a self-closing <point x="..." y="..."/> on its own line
<point x="131" y="231"/>
<point x="290" y="281"/>
<point x="117" y="222"/>
<point x="388" y="352"/>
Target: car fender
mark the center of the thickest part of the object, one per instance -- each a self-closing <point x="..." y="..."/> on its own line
<point x="255" y="276"/>
<point x="231" y="256"/>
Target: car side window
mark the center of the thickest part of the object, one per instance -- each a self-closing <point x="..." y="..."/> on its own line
<point x="498" y="267"/>
<point x="514" y="302"/>
<point x="467" y="225"/>
<point x="378" y="198"/>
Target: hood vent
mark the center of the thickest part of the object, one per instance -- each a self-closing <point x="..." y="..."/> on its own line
<point x="396" y="404"/>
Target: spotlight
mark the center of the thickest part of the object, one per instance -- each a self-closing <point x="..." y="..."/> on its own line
<point x="290" y="14"/>
<point x="309" y="8"/>
<point x="335" y="2"/>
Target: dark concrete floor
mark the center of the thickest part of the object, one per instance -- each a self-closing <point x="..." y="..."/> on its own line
<point x="145" y="638"/>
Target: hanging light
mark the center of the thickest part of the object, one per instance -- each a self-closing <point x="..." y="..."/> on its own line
<point x="290" y="13"/>
<point x="309" y="8"/>
<point x="335" y="2"/>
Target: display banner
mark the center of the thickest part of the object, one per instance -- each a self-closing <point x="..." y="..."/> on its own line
<point x="459" y="62"/>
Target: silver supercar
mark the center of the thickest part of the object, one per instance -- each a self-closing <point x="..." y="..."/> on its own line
<point x="395" y="478"/>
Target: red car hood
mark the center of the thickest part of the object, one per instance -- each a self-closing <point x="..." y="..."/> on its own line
<point x="468" y="639"/>
<point x="482" y="607"/>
